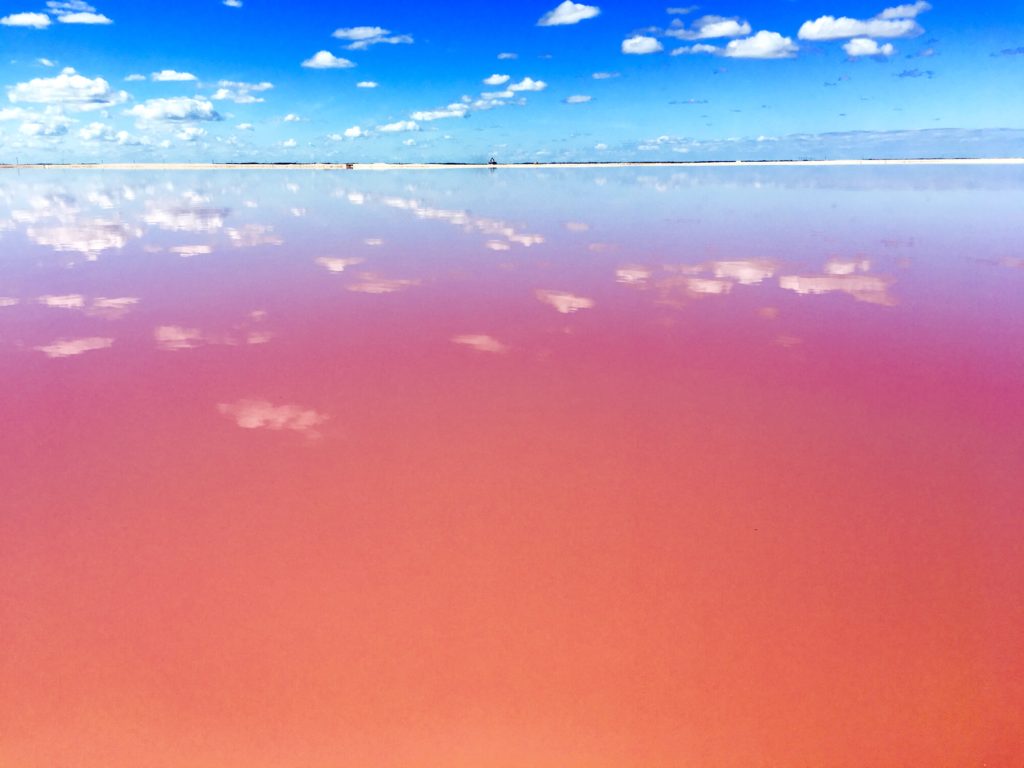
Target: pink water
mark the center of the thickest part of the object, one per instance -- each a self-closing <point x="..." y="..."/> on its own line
<point x="580" y="468"/>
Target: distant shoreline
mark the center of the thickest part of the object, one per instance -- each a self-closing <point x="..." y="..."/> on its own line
<point x="443" y="166"/>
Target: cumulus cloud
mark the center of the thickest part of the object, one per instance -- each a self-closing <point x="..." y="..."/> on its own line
<point x="85" y="16"/>
<point x="865" y="46"/>
<point x="568" y="12"/>
<point x="289" y="143"/>
<point x="190" y="133"/>
<point x="171" y="76"/>
<point x="134" y="78"/>
<point x="73" y="347"/>
<point x="911" y="11"/>
<point x="233" y="3"/>
<point x="260" y="414"/>
<point x="46" y="62"/>
<point x="175" y="110"/>
<point x="367" y="84"/>
<point x="507" y="56"/>
<point x="763" y="45"/>
<point x="244" y="126"/>
<point x="696" y="48"/>
<point x="399" y="126"/>
<point x="578" y="99"/>
<point x="34" y="20"/>
<point x="361" y="38"/>
<point x="327" y="60"/>
<point x="69" y="90"/>
<point x="354" y="132"/>
<point x="641" y="44"/>
<point x="528" y="84"/>
<point x="710" y="27"/>
<point x="101" y="132"/>
<point x="832" y="28"/>
<point x="496" y="80"/>
<point x="458" y="109"/>
<point x="240" y="93"/>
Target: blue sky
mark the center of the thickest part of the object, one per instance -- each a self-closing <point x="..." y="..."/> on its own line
<point x="200" y="80"/>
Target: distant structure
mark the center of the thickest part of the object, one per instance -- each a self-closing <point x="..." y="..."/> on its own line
<point x="492" y="161"/>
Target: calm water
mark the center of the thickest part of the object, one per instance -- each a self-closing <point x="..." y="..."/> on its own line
<point x="717" y="467"/>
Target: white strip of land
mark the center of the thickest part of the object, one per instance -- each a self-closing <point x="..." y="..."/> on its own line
<point x="458" y="166"/>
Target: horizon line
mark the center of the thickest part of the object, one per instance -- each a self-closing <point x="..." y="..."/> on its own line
<point x="314" y="165"/>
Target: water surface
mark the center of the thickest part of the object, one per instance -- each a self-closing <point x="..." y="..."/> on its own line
<point x="712" y="467"/>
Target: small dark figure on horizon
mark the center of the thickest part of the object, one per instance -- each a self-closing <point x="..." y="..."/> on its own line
<point x="492" y="161"/>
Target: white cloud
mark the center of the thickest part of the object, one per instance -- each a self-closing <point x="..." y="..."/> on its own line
<point x="233" y="3"/>
<point x="566" y="303"/>
<point x="362" y="38"/>
<point x="354" y="132"/>
<point x="681" y="11"/>
<point x="171" y="76"/>
<point x="710" y="27"/>
<point x="578" y="99"/>
<point x="175" y="109"/>
<point x="832" y="28"/>
<point x="568" y="12"/>
<point x="190" y="133"/>
<point x="327" y="60"/>
<point x="291" y="117"/>
<point x="696" y="48"/>
<point x="84" y="18"/>
<point x="481" y="343"/>
<point x="641" y="44"/>
<point x="763" y="45"/>
<point x="905" y="11"/>
<point x="135" y="78"/>
<point x="260" y="414"/>
<point x="101" y="132"/>
<point x="95" y="131"/>
<point x="68" y="89"/>
<point x="48" y="124"/>
<point x="367" y="84"/>
<point x="240" y="93"/>
<point x="46" y="62"/>
<point x="456" y="110"/>
<point x="289" y="143"/>
<point x="72" y="347"/>
<point x="360" y="33"/>
<point x="496" y="80"/>
<point x="865" y="46"/>
<point x="244" y="126"/>
<point x="528" y="84"/>
<point x="34" y="20"/>
<point x="399" y="127"/>
<point x="507" y="56"/>
<point x="604" y="75"/>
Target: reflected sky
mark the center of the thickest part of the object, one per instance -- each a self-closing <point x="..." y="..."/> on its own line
<point x="596" y="467"/>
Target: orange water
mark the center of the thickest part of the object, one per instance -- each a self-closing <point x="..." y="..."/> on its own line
<point x="589" y="468"/>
